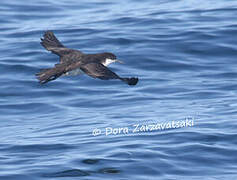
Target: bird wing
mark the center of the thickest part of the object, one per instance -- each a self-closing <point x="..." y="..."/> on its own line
<point x="97" y="70"/>
<point x="51" y="43"/>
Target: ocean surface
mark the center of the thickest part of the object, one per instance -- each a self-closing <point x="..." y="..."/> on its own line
<point x="178" y="122"/>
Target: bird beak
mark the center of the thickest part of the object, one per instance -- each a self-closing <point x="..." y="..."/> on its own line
<point x="121" y="62"/>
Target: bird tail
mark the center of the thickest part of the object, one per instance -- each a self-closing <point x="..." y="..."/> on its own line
<point x="130" y="81"/>
<point x="49" y="74"/>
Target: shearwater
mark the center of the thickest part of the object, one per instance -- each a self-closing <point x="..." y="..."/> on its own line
<point x="74" y="62"/>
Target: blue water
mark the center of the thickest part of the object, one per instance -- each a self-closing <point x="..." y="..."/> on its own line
<point x="185" y="55"/>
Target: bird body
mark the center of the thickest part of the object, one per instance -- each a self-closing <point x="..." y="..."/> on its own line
<point x="74" y="62"/>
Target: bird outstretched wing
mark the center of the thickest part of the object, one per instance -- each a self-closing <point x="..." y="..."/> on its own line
<point x="97" y="70"/>
<point x="51" y="43"/>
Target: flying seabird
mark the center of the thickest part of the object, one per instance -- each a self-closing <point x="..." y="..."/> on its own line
<point x="74" y="62"/>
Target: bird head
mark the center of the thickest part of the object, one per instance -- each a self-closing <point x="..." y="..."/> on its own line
<point x="110" y="58"/>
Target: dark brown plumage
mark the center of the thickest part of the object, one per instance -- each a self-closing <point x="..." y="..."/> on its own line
<point x="72" y="60"/>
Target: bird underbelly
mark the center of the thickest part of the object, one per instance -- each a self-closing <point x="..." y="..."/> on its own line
<point x="75" y="72"/>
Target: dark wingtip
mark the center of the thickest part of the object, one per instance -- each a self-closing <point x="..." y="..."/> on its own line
<point x="48" y="32"/>
<point x="130" y="81"/>
<point x="49" y="41"/>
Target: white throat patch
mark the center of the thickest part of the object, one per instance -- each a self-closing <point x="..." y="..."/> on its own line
<point x="108" y="61"/>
